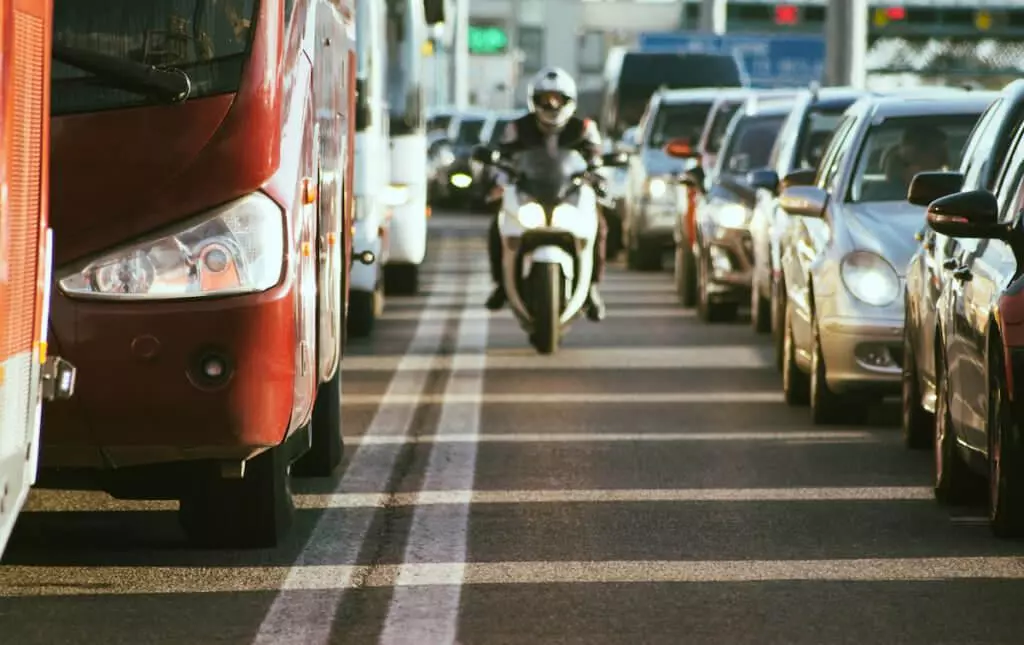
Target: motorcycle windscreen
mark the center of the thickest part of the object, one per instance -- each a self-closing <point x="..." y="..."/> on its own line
<point x="546" y="176"/>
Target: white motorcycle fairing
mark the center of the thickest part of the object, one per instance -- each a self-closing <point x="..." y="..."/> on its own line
<point x="566" y="238"/>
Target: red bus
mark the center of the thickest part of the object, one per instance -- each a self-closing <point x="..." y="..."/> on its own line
<point x="28" y="373"/>
<point x="201" y="163"/>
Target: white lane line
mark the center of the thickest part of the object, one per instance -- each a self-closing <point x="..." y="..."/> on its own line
<point x="416" y="617"/>
<point x="631" y="313"/>
<point x="99" y="581"/>
<point x="340" y="537"/>
<point x="613" y="358"/>
<point x="618" y="398"/>
<point x="629" y="437"/>
<point x="615" y="496"/>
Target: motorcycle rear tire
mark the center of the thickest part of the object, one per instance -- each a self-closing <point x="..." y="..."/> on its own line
<point x="546" y="286"/>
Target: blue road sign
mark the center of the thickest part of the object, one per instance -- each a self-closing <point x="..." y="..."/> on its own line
<point x="769" y="60"/>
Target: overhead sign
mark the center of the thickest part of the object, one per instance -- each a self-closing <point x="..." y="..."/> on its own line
<point x="487" y="39"/>
<point x="769" y="60"/>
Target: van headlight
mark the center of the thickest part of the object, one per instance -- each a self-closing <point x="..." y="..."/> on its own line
<point x="236" y="248"/>
<point x="531" y="215"/>
<point x="869" y="278"/>
<point x="731" y="216"/>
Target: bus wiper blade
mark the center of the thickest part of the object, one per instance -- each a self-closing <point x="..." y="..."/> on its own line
<point x="171" y="85"/>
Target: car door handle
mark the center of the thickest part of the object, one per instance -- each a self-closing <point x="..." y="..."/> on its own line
<point x="949" y="264"/>
<point x="963" y="274"/>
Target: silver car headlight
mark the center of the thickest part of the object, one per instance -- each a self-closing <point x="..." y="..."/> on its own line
<point x="531" y="215"/>
<point x="565" y="216"/>
<point x="236" y="248"/>
<point x="870" y="278"/>
<point x="731" y="216"/>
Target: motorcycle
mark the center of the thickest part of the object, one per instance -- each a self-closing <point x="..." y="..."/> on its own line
<point x="548" y="223"/>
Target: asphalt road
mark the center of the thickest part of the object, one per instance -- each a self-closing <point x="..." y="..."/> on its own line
<point x="645" y="485"/>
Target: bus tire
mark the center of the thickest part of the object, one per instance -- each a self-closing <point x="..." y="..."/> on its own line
<point x="327" y="444"/>
<point x="401" y="279"/>
<point x="362" y="313"/>
<point x="253" y="512"/>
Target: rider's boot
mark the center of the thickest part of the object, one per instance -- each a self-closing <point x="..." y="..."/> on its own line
<point x="595" y="305"/>
<point x="497" y="298"/>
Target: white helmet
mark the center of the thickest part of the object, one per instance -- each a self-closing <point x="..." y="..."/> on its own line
<point x="552" y="97"/>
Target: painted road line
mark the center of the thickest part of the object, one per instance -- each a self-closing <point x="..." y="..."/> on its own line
<point x="309" y="620"/>
<point x="618" y="496"/>
<point x="604" y="398"/>
<point x="725" y="357"/>
<point x="415" y="615"/>
<point x="100" y="581"/>
<point x="629" y="437"/>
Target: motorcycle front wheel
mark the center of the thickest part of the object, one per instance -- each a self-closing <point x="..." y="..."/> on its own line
<point x="546" y="286"/>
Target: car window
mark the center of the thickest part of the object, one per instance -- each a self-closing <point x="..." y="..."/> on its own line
<point x="1008" y="189"/>
<point x="816" y="134"/>
<point x="719" y="124"/>
<point x="980" y="142"/>
<point x="749" y="143"/>
<point x="900" y="147"/>
<point x="833" y="153"/>
<point x="678" y="121"/>
<point x="469" y="131"/>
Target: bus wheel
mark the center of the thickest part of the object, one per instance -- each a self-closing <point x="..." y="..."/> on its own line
<point x="328" y="446"/>
<point x="362" y="312"/>
<point x="402" y="279"/>
<point x="253" y="512"/>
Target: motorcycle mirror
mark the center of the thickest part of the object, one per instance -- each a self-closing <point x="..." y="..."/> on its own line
<point x="615" y="159"/>
<point x="485" y="155"/>
<point x="680" y="149"/>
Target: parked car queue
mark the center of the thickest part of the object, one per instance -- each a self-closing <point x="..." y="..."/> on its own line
<point x="879" y="238"/>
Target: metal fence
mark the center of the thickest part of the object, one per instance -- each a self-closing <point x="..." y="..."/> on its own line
<point x="989" y="64"/>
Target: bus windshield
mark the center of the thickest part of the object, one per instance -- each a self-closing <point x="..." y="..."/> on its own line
<point x="207" y="39"/>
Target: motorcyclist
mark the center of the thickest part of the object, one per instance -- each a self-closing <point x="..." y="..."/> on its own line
<point x="551" y="122"/>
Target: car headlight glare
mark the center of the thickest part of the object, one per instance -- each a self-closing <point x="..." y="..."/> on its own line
<point x="237" y="248"/>
<point x="731" y="216"/>
<point x="870" y="279"/>
<point x="656" y="187"/>
<point x="531" y="215"/>
<point x="461" y="180"/>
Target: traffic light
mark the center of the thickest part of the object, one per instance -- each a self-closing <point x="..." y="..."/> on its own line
<point x="787" y="14"/>
<point x="433" y="11"/>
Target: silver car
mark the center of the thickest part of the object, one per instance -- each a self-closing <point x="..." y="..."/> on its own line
<point x="845" y="253"/>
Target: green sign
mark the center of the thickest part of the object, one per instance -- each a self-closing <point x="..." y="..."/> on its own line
<point x="487" y="40"/>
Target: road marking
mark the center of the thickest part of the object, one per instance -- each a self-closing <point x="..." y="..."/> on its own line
<point x="613" y="496"/>
<point x="414" y="616"/>
<point x="99" y="581"/>
<point x="631" y="313"/>
<point x="601" y="437"/>
<point x="309" y="620"/>
<point x="590" y="358"/>
<point x="618" y="398"/>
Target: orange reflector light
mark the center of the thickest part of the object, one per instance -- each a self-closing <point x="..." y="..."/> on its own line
<point x="308" y="190"/>
<point x="307" y="249"/>
<point x="332" y="239"/>
<point x="429" y="212"/>
<point x="42" y="351"/>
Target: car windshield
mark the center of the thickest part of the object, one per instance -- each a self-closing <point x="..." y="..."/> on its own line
<point x="899" y="148"/>
<point x="469" y="132"/>
<point x="719" y="124"/>
<point x="439" y="122"/>
<point x="207" y="39"/>
<point x="750" y="143"/>
<point x="680" y="121"/>
<point x="817" y="132"/>
<point x="545" y="176"/>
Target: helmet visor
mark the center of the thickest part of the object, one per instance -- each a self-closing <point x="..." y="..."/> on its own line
<point x="550" y="100"/>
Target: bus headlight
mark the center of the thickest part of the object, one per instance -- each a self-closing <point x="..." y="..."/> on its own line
<point x="236" y="248"/>
<point x="870" y="279"/>
<point x="531" y="215"/>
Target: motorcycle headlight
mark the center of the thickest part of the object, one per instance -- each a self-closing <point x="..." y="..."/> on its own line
<point x="657" y="187"/>
<point x="870" y="279"/>
<point x="531" y="215"/>
<point x="564" y="216"/>
<point x="731" y="216"/>
<point x="461" y="180"/>
<point x="237" y="248"/>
